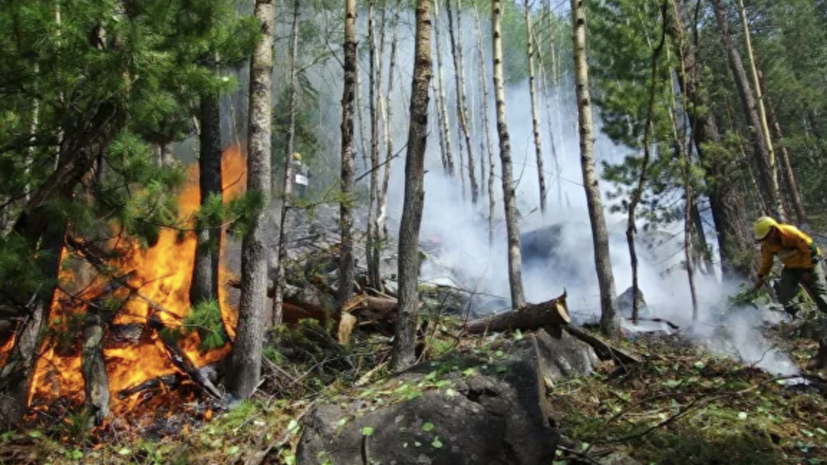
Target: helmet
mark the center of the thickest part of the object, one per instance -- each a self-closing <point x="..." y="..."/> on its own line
<point x="763" y="226"/>
<point x="297" y="156"/>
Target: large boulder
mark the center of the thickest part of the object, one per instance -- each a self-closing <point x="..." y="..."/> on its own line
<point x="485" y="408"/>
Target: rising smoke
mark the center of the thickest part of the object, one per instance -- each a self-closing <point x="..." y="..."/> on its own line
<point x="466" y="259"/>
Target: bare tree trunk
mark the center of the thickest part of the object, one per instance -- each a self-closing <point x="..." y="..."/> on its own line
<point x="547" y="99"/>
<point x="245" y="361"/>
<point x="375" y="85"/>
<point x="762" y="115"/>
<point x="381" y="212"/>
<point x="402" y="355"/>
<point x="789" y="174"/>
<point x="515" y="259"/>
<point x="205" y="269"/>
<point x="286" y="202"/>
<point x="359" y="108"/>
<point x="347" y="270"/>
<point x="489" y="145"/>
<point x="631" y="227"/>
<point x="441" y="98"/>
<point x="462" y="107"/>
<point x="762" y="152"/>
<point x="609" y="321"/>
<point x="535" y="113"/>
<point x="93" y="366"/>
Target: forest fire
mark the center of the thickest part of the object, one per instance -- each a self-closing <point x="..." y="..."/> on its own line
<point x="161" y="275"/>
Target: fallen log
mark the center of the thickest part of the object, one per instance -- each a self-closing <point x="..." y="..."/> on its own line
<point x="551" y="313"/>
<point x="181" y="360"/>
<point x="212" y="372"/>
<point x="601" y="348"/>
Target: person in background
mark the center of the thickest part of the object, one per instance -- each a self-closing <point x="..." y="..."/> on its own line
<point x="301" y="176"/>
<point x="801" y="258"/>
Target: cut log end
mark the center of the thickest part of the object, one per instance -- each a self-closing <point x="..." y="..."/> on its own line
<point x="554" y="312"/>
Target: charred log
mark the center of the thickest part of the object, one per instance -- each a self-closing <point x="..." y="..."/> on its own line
<point x="551" y="313"/>
<point x="212" y="372"/>
<point x="181" y="360"/>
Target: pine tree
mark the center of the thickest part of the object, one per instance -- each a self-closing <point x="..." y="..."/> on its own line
<point x="245" y="361"/>
<point x="347" y="270"/>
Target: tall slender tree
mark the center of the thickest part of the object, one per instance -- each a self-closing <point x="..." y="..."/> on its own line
<point x="535" y="112"/>
<point x="245" y="360"/>
<point x="462" y="106"/>
<point x="749" y="106"/>
<point x="347" y="271"/>
<point x="486" y="126"/>
<point x="403" y="355"/>
<point x="205" y="270"/>
<point x="287" y="189"/>
<point x="515" y="259"/>
<point x="762" y="113"/>
<point x="441" y="97"/>
<point x="609" y="319"/>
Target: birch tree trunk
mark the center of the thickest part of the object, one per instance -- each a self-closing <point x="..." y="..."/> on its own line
<point x="547" y="99"/>
<point x="609" y="321"/>
<point x="347" y="270"/>
<point x="762" y="115"/>
<point x="359" y="108"/>
<point x="535" y="113"/>
<point x="441" y="98"/>
<point x="286" y="202"/>
<point x="486" y="127"/>
<point x="462" y="107"/>
<point x="205" y="269"/>
<point x="749" y="106"/>
<point x="515" y="260"/>
<point x="245" y="360"/>
<point x="381" y="212"/>
<point x="402" y="355"/>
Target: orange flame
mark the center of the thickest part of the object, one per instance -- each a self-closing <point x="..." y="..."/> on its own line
<point x="163" y="274"/>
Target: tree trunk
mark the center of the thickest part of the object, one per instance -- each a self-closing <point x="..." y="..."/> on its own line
<point x="609" y="321"/>
<point x="749" y="107"/>
<point x="381" y="210"/>
<point x="93" y="367"/>
<point x="205" y="269"/>
<point x="535" y="113"/>
<point x="547" y="99"/>
<point x="286" y="203"/>
<point x="489" y="146"/>
<point x="762" y="116"/>
<point x="789" y="174"/>
<point x="245" y="361"/>
<point x="402" y="355"/>
<point x="17" y="373"/>
<point x="515" y="260"/>
<point x="631" y="227"/>
<point x="725" y="197"/>
<point x="441" y="98"/>
<point x="347" y="271"/>
<point x="375" y="74"/>
<point x="462" y="106"/>
<point x="359" y="108"/>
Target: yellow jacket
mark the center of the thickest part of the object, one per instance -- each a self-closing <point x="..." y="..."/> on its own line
<point x="796" y="250"/>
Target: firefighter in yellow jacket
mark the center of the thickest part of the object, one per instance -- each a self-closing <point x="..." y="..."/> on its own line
<point x="801" y="259"/>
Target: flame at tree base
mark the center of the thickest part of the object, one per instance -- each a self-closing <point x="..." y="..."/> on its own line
<point x="163" y="275"/>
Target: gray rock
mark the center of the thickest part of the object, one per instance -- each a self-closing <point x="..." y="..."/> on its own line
<point x="624" y="301"/>
<point x="563" y="356"/>
<point x="496" y="414"/>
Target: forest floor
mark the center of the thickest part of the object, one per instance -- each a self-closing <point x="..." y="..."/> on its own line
<point x="681" y="405"/>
